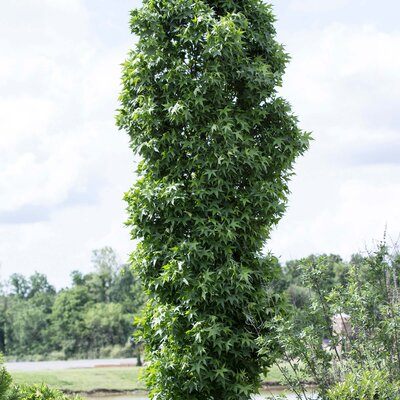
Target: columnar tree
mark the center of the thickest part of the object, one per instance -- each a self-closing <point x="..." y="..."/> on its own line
<point x="217" y="144"/>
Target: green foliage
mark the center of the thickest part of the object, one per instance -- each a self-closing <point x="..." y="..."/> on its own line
<point x="368" y="385"/>
<point x="336" y="271"/>
<point x="68" y="323"/>
<point x="26" y="314"/>
<point x="27" y="324"/>
<point x="106" y="324"/>
<point x="35" y="392"/>
<point x="9" y="391"/>
<point x="92" y="318"/>
<point x="218" y="145"/>
<point x="5" y="380"/>
<point x="353" y="354"/>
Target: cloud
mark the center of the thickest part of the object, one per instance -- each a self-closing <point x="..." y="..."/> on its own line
<point x="317" y="5"/>
<point x="343" y="82"/>
<point x="381" y="152"/>
<point x="350" y="71"/>
<point x="56" y="107"/>
<point x="25" y="214"/>
<point x="64" y="165"/>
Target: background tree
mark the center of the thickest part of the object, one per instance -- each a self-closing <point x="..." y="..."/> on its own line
<point x="27" y="314"/>
<point x="3" y="320"/>
<point x="362" y="357"/>
<point x="97" y="312"/>
<point x="92" y="318"/>
<point x="106" y="266"/>
<point x="200" y="105"/>
<point x="68" y="323"/>
<point x="298" y="291"/>
<point x="19" y="286"/>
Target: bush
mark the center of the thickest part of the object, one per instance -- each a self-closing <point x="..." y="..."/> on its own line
<point x="5" y="381"/>
<point x="36" y="392"/>
<point x="8" y="391"/>
<point x="368" y="385"/>
<point x="355" y="351"/>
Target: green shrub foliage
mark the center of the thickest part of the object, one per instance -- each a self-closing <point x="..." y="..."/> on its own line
<point x="217" y="144"/>
<point x="10" y="391"/>
<point x="35" y="392"/>
<point x="361" y="355"/>
<point x="368" y="385"/>
<point x="5" y="380"/>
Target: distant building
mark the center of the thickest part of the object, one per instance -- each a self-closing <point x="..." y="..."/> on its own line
<point x="341" y="326"/>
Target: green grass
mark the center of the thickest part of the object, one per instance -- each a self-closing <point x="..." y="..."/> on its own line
<point x="273" y="376"/>
<point x="95" y="379"/>
<point x="85" y="379"/>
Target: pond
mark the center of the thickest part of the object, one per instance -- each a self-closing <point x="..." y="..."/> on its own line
<point x="142" y="396"/>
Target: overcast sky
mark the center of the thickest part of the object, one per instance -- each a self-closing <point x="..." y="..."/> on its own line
<point x="64" y="166"/>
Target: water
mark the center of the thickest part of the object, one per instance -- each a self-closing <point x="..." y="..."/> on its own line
<point x="262" y="396"/>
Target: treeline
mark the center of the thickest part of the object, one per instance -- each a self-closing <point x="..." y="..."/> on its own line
<point x="91" y="318"/>
<point x="337" y="270"/>
<point x="94" y="316"/>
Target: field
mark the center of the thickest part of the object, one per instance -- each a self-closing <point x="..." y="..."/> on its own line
<point x="85" y="379"/>
<point x="117" y="379"/>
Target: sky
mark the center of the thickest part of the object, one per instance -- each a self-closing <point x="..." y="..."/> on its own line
<point x="64" y="166"/>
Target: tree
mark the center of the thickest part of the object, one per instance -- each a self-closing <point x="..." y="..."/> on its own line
<point x="68" y="321"/>
<point x="293" y="277"/>
<point x="25" y="315"/>
<point x="218" y="144"/>
<point x="19" y="286"/>
<point x="27" y="324"/>
<point x="3" y="319"/>
<point x="127" y="290"/>
<point x="38" y="284"/>
<point x="106" y="266"/>
<point x="107" y="325"/>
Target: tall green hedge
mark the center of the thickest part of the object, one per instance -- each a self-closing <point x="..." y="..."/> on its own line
<point x="217" y="144"/>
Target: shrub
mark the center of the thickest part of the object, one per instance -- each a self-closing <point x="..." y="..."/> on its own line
<point x="8" y="391"/>
<point x="367" y="385"/>
<point x="371" y="343"/>
<point x="5" y="380"/>
<point x="36" y="392"/>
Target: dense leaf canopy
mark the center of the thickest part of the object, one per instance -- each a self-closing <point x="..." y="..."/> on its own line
<point x="217" y="144"/>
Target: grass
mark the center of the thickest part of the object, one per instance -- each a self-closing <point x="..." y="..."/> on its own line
<point x="274" y="375"/>
<point x="95" y="379"/>
<point x="85" y="379"/>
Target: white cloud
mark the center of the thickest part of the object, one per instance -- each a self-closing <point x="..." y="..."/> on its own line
<point x="343" y="75"/>
<point x="317" y="5"/>
<point x="64" y="165"/>
<point x="65" y="242"/>
<point x="343" y="82"/>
